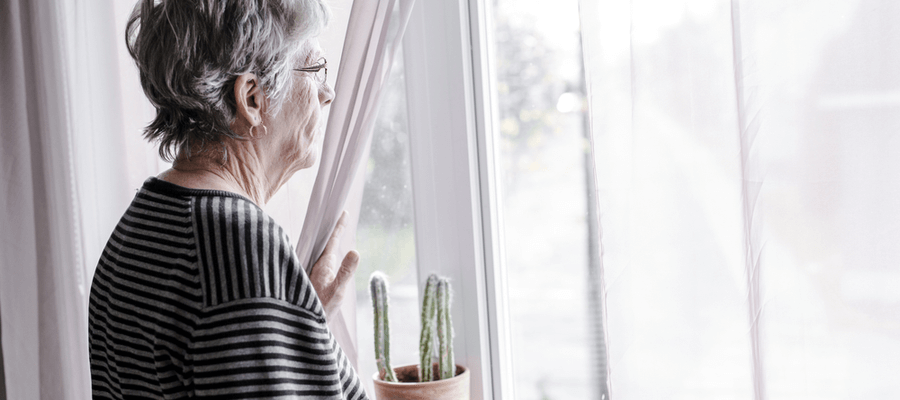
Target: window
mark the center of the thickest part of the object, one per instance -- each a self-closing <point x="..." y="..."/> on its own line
<point x="385" y="235"/>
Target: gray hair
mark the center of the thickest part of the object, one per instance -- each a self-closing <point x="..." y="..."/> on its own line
<point x="190" y="52"/>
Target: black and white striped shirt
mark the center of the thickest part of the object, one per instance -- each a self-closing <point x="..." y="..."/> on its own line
<point x="199" y="293"/>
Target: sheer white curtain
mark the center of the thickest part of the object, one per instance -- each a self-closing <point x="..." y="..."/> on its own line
<point x="62" y="160"/>
<point x="374" y="33"/>
<point x="748" y="169"/>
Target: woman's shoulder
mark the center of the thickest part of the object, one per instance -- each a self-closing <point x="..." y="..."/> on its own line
<point x="241" y="252"/>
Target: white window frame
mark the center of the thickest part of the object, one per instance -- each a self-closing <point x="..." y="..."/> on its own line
<point x="454" y="181"/>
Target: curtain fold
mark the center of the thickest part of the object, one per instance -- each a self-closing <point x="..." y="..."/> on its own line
<point x="747" y="170"/>
<point x="373" y="35"/>
<point x="589" y="54"/>
<point x="44" y="324"/>
<point x="748" y="125"/>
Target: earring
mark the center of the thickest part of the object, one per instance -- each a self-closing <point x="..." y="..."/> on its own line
<point x="250" y="131"/>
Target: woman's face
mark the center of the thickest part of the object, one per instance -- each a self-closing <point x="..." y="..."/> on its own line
<point x="298" y="127"/>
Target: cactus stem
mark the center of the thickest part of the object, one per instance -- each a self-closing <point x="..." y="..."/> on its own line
<point x="379" y="293"/>
<point x="426" y="338"/>
<point x="447" y="364"/>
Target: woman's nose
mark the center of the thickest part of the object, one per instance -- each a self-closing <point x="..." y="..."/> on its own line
<point x="326" y="94"/>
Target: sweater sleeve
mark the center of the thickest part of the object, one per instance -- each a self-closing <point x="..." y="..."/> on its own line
<point x="268" y="348"/>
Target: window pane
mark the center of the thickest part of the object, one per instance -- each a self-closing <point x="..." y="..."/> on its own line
<point x="553" y="298"/>
<point x="385" y="236"/>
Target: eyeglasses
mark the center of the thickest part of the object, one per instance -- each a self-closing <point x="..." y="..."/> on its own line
<point x="320" y="70"/>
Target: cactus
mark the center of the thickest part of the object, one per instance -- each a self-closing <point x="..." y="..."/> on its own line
<point x="447" y="365"/>
<point x="436" y="321"/>
<point x="378" y="291"/>
<point x="426" y="339"/>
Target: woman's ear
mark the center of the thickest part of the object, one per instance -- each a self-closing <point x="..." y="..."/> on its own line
<point x="249" y="98"/>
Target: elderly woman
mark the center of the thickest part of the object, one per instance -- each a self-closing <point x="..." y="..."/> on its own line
<point x="198" y="292"/>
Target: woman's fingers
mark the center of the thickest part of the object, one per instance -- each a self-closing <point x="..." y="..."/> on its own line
<point x="335" y="239"/>
<point x="323" y="273"/>
<point x="335" y="290"/>
<point x="348" y="268"/>
<point x="328" y="279"/>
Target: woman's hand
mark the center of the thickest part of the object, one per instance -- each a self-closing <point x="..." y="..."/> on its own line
<point x="329" y="280"/>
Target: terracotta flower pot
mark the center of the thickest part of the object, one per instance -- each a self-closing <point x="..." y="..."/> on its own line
<point x="409" y="387"/>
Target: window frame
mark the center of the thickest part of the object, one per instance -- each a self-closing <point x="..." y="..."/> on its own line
<point x="454" y="181"/>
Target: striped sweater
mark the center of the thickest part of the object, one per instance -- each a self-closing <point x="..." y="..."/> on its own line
<point x="199" y="294"/>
